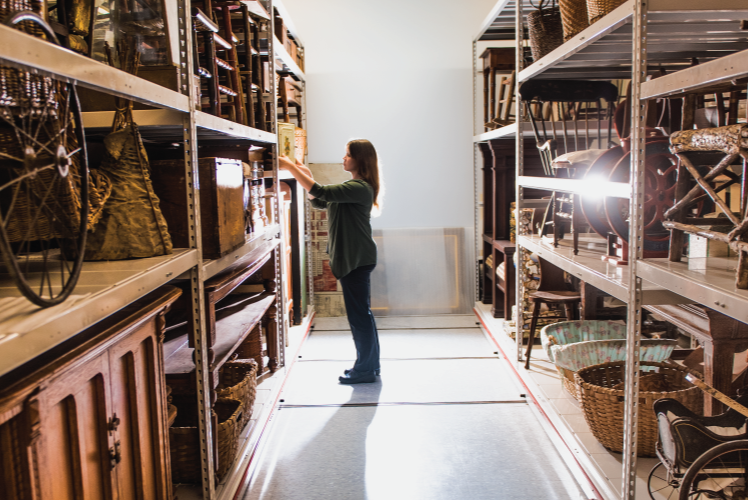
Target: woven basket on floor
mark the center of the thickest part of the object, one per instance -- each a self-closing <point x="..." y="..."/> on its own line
<point x="602" y="391"/>
<point x="545" y="29"/>
<point x="597" y="9"/>
<point x="573" y="17"/>
<point x="184" y="440"/>
<point x="238" y="380"/>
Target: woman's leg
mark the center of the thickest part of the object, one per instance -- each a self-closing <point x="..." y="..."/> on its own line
<point x="357" y="296"/>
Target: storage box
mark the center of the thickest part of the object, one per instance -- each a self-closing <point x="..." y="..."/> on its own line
<point x="222" y="213"/>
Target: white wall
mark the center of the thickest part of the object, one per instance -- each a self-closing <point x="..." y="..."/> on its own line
<point x="396" y="72"/>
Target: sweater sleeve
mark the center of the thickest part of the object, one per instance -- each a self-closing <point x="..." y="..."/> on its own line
<point x="347" y="192"/>
<point x="317" y="203"/>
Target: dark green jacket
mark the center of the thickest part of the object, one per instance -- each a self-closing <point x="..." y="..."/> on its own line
<point x="348" y="205"/>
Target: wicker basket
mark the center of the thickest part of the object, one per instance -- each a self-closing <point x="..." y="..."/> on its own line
<point x="601" y="387"/>
<point x="573" y="17"/>
<point x="546" y="31"/>
<point x="184" y="440"/>
<point x="597" y="9"/>
<point x="238" y="380"/>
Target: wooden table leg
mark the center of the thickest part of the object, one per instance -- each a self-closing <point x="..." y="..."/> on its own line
<point x="531" y="339"/>
<point x="590" y="296"/>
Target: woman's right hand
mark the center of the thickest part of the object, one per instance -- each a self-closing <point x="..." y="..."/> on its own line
<point x="285" y="163"/>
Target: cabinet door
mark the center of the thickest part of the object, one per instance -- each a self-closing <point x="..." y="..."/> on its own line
<point x="73" y="448"/>
<point x="138" y="401"/>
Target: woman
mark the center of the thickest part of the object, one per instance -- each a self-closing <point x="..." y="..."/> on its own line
<point x="353" y="253"/>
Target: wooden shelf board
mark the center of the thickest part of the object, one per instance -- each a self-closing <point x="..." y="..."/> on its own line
<point x="589" y="267"/>
<point x="103" y="288"/>
<point x="237" y="315"/>
<point x="709" y="281"/>
<point x="25" y="51"/>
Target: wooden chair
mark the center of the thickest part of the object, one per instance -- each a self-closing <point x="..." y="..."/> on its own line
<point x="552" y="290"/>
<point x="550" y="101"/>
<point x="496" y="111"/>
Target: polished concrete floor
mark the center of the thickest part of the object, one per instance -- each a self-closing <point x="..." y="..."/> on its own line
<point x="446" y="420"/>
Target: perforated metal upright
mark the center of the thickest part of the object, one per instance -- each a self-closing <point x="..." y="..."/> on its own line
<point x="636" y="231"/>
<point x="519" y="34"/>
<point x="197" y="273"/>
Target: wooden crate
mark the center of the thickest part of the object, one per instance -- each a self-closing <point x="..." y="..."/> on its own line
<point x="222" y="210"/>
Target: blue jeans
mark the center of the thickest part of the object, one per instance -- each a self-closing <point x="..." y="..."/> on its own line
<point x="357" y="296"/>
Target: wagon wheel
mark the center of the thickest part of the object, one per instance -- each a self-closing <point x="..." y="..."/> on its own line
<point x="720" y="472"/>
<point x="659" y="188"/>
<point x="661" y="484"/>
<point x="593" y="207"/>
<point x="43" y="178"/>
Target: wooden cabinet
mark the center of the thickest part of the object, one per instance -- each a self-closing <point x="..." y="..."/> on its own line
<point x="91" y="424"/>
<point x="499" y="183"/>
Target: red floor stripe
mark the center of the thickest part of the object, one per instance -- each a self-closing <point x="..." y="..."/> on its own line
<point x="537" y="405"/>
<point x="275" y="405"/>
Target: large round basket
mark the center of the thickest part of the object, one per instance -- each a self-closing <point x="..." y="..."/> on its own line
<point x="597" y="9"/>
<point x="573" y="16"/>
<point x="546" y="31"/>
<point x="602" y="391"/>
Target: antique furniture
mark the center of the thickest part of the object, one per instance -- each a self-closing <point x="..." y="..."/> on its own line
<point x="692" y="449"/>
<point x="50" y="207"/>
<point x="497" y="105"/>
<point x="89" y="420"/>
<point x="498" y="238"/>
<point x="731" y="142"/>
<point x="550" y="101"/>
<point x="720" y="338"/>
<point x="240" y="320"/>
<point x="222" y="215"/>
<point x="551" y="291"/>
<point x="213" y="66"/>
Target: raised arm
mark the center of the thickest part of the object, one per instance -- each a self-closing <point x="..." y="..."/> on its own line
<point x="300" y="172"/>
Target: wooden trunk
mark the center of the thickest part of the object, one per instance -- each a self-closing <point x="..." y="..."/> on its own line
<point x="222" y="214"/>
<point x="91" y="424"/>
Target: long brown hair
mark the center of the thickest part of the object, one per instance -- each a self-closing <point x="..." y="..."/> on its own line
<point x="367" y="165"/>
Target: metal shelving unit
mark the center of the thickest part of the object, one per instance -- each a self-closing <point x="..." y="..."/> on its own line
<point x="636" y="40"/>
<point x="105" y="287"/>
<point x="25" y="51"/>
<point x="286" y="64"/>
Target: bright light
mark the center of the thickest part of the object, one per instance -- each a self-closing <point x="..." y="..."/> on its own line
<point x="592" y="188"/>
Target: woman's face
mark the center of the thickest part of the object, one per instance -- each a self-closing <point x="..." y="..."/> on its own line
<point x="349" y="164"/>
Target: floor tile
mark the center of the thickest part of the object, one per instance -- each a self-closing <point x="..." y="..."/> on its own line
<point x="406" y="343"/>
<point x="566" y="406"/>
<point x="420" y="381"/>
<point x="590" y="443"/>
<point x="409" y="452"/>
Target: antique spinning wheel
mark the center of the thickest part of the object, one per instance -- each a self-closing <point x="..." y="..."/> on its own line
<point x="43" y="177"/>
<point x="593" y="207"/>
<point x="660" y="176"/>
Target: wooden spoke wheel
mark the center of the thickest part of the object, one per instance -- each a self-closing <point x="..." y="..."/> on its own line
<point x="43" y="177"/>
<point x="721" y="472"/>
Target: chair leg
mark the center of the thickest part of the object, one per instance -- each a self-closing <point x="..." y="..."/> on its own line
<point x="531" y="339"/>
<point x="569" y="310"/>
